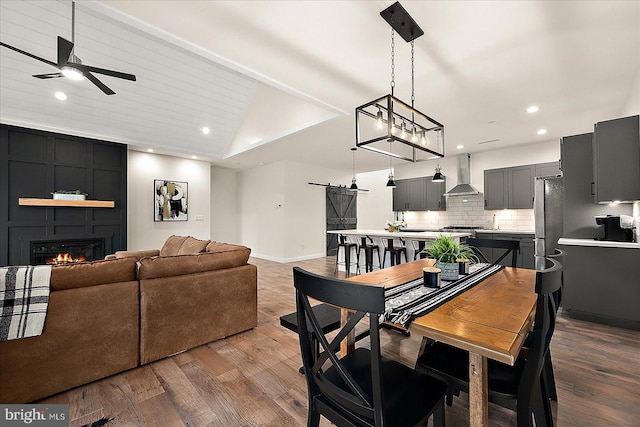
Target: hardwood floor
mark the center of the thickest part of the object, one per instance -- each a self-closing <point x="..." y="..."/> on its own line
<point x="252" y="379"/>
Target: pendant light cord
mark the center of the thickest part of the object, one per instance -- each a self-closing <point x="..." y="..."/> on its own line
<point x="393" y="64"/>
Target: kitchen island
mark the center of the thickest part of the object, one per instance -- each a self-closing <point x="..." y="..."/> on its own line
<point x="377" y="236"/>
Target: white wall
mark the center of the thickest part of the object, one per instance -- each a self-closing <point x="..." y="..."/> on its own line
<point x="143" y="168"/>
<point x="632" y="106"/>
<point x="225" y="221"/>
<point x="282" y="217"/>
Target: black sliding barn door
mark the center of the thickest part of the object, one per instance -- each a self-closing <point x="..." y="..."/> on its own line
<point x="342" y="207"/>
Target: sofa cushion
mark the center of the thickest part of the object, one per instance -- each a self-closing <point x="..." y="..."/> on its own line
<point x="136" y="254"/>
<point x="83" y="274"/>
<point x="183" y="245"/>
<point x="172" y="245"/>
<point x="192" y="246"/>
<point x="154" y="267"/>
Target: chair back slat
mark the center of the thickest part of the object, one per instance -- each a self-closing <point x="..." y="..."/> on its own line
<point x="510" y="247"/>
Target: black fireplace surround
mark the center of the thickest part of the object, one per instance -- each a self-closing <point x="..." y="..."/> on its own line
<point x="35" y="163"/>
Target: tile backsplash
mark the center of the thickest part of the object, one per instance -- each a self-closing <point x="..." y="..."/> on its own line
<point x="469" y="211"/>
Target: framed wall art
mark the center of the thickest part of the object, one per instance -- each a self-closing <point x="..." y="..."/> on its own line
<point x="170" y="200"/>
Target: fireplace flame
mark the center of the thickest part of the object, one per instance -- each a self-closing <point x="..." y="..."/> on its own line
<point x="65" y="259"/>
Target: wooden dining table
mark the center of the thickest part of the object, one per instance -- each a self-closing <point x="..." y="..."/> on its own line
<point x="491" y="321"/>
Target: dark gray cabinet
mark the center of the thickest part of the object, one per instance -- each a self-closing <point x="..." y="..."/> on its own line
<point x="520" y="186"/>
<point x="418" y="194"/>
<point x="548" y="169"/>
<point x="578" y="207"/>
<point x="616" y="160"/>
<point x="436" y="201"/>
<point x="512" y="188"/>
<point x="601" y="285"/>
<point x="495" y="189"/>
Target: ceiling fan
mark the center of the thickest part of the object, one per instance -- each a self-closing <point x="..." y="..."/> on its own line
<point x="70" y="65"/>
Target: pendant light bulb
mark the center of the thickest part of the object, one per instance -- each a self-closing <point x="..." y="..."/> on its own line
<point x="393" y="126"/>
<point x="403" y="130"/>
<point x="423" y="137"/>
<point x="414" y="135"/>
<point x="379" y="120"/>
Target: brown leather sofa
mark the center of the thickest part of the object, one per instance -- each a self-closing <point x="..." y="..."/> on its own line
<point x="109" y="316"/>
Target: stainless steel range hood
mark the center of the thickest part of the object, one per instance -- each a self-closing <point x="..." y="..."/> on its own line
<point x="464" y="187"/>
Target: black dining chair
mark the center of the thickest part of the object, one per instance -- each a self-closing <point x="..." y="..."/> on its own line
<point x="550" y="378"/>
<point x="509" y="246"/>
<point x="520" y="387"/>
<point x="362" y="388"/>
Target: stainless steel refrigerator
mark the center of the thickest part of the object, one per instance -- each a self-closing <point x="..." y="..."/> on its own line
<point x="548" y="210"/>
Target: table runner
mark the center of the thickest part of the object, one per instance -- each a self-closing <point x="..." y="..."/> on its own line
<point x="412" y="299"/>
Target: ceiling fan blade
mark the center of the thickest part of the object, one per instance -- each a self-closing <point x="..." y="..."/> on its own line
<point x="98" y="83"/>
<point x="64" y="51"/>
<point x="46" y="61"/>
<point x="118" y="74"/>
<point x="47" y="76"/>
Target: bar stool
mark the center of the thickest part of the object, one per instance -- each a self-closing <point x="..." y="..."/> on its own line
<point x="395" y="250"/>
<point x="369" y="248"/>
<point x="347" y="243"/>
<point x="419" y="249"/>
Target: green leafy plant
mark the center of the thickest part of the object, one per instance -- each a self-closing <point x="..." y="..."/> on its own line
<point x="446" y="249"/>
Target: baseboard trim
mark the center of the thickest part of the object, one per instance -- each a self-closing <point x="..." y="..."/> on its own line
<point x="287" y="260"/>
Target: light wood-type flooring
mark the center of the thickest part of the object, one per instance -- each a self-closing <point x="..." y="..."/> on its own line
<point x="252" y="379"/>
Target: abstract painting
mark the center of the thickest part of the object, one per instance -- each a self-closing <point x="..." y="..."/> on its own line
<point x="171" y="200"/>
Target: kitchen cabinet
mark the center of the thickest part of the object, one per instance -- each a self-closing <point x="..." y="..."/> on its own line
<point x="512" y="188"/>
<point x="577" y="172"/>
<point x="436" y="201"/>
<point x="548" y="169"/>
<point x="601" y="284"/>
<point x="525" y="256"/>
<point x="418" y="194"/>
<point x="520" y="186"/>
<point x="495" y="189"/>
<point x="616" y="160"/>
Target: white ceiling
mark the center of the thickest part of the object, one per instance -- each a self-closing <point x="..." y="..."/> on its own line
<point x="281" y="79"/>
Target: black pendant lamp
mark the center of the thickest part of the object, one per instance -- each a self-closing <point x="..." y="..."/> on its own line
<point x="438" y="177"/>
<point x="391" y="182"/>
<point x="353" y="178"/>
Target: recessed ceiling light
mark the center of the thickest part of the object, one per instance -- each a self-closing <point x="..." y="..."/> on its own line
<point x="149" y="150"/>
<point x="542" y="131"/>
<point x="533" y="109"/>
<point x="206" y="130"/>
<point x="61" y="96"/>
<point x="194" y="157"/>
<point x="459" y="146"/>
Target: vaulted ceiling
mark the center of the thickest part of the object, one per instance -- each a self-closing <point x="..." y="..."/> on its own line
<point x="276" y="80"/>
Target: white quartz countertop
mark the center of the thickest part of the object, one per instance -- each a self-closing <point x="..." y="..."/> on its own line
<point x="484" y="230"/>
<point x="598" y="243"/>
<point x="426" y="235"/>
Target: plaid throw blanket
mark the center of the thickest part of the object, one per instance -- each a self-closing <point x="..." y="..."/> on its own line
<point x="24" y="296"/>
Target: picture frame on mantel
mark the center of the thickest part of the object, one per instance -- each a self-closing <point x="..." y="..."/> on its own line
<point x="171" y="200"/>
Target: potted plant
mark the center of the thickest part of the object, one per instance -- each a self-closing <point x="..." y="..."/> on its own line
<point x="394" y="226"/>
<point x="69" y="195"/>
<point x="448" y="252"/>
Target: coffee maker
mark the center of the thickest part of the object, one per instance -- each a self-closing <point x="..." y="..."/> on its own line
<point x="613" y="229"/>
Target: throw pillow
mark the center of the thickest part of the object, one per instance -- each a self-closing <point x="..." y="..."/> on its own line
<point x="172" y="245"/>
<point x="192" y="246"/>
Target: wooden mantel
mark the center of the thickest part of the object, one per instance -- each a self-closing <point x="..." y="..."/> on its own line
<point x="66" y="203"/>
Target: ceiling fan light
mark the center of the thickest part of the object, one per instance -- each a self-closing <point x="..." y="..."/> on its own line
<point x="72" y="73"/>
